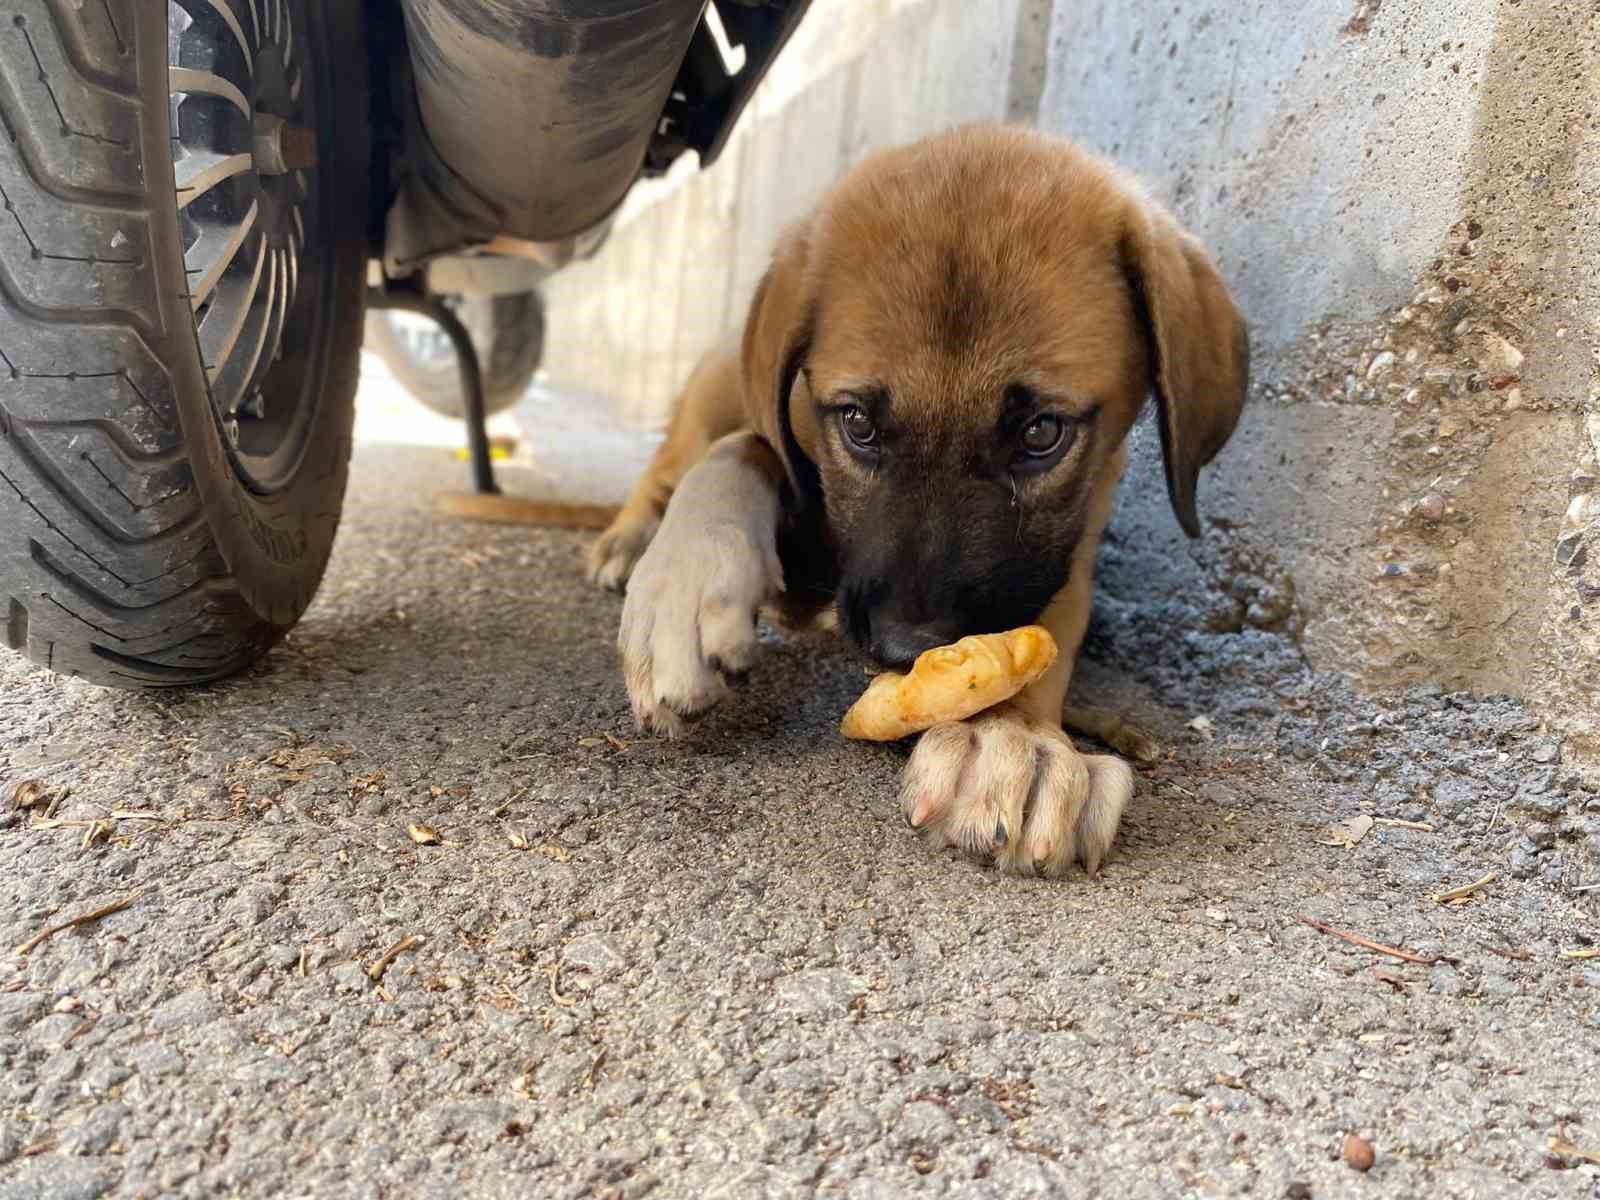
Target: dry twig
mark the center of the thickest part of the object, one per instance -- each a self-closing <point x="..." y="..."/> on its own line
<point x="1507" y="952"/>
<point x="555" y="993"/>
<point x="1397" y="823"/>
<point x="1384" y="975"/>
<point x="1495" y="816"/>
<point x="506" y="807"/>
<point x="45" y="935"/>
<point x="88" y="1024"/>
<point x="1355" y="939"/>
<point x="376" y="970"/>
<point x="1465" y="890"/>
<point x="1593" y="952"/>
<point x="1560" y="1145"/>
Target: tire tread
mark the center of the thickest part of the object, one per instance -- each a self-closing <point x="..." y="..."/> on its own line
<point x="108" y="567"/>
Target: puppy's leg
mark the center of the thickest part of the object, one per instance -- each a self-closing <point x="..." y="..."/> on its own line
<point x="707" y="409"/>
<point x="1009" y="782"/>
<point x="1119" y="733"/>
<point x="689" y="620"/>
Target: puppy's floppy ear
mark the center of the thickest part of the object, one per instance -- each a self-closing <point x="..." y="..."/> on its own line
<point x="777" y="338"/>
<point x="1200" y="347"/>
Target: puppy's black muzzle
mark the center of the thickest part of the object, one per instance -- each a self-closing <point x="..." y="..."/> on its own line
<point x="897" y="644"/>
<point x="893" y="639"/>
<point x="926" y="570"/>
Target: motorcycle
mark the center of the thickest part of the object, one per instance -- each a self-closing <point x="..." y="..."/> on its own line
<point x="203" y="200"/>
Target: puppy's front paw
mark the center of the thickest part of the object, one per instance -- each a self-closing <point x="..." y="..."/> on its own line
<point x="1008" y="786"/>
<point x="689" y="622"/>
<point x="619" y="548"/>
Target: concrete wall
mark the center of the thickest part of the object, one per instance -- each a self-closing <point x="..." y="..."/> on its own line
<point x="1403" y="194"/>
<point x="1404" y="198"/>
<point x="681" y="266"/>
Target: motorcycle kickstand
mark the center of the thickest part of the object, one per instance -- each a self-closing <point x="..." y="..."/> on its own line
<point x="413" y="300"/>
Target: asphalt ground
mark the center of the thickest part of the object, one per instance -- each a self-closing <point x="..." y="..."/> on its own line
<point x="724" y="966"/>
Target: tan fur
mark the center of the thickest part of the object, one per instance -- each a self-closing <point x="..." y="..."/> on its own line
<point x="892" y="283"/>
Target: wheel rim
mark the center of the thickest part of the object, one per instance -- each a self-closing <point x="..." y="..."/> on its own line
<point x="245" y="138"/>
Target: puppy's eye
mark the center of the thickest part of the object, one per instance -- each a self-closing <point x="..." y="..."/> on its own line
<point x="859" y="429"/>
<point x="1043" y="436"/>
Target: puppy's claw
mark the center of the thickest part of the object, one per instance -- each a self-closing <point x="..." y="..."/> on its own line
<point x="922" y="810"/>
<point x="1000" y="834"/>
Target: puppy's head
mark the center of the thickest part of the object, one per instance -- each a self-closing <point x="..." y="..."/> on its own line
<point x="948" y="356"/>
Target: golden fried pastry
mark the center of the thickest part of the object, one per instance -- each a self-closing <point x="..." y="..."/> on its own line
<point x="950" y="683"/>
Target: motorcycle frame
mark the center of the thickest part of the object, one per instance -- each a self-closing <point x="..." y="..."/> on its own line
<point x="519" y="126"/>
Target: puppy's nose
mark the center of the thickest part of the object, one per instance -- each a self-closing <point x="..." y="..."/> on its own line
<point x="897" y="644"/>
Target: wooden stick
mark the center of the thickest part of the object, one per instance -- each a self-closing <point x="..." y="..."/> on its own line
<point x="1507" y="952"/>
<point x="516" y="510"/>
<point x="1355" y="939"/>
<point x="555" y="992"/>
<point x="1567" y="1150"/>
<point x="376" y="970"/>
<point x="1465" y="889"/>
<point x="44" y="935"/>
<point x="88" y="1024"/>
<point x="1397" y="823"/>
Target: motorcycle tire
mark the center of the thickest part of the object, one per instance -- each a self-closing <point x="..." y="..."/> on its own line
<point x="507" y="330"/>
<point x="182" y="274"/>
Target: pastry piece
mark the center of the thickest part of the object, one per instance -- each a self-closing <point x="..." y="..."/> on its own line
<point x="950" y="683"/>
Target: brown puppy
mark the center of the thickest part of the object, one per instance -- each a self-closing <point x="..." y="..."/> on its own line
<point x="924" y="426"/>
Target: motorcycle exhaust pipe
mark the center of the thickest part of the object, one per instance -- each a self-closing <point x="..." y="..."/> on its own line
<point x="532" y="117"/>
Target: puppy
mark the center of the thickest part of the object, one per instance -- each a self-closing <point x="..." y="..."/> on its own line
<point x="922" y="427"/>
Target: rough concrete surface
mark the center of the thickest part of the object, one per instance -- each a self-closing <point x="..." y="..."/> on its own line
<point x="1401" y="194"/>
<point x="724" y="967"/>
